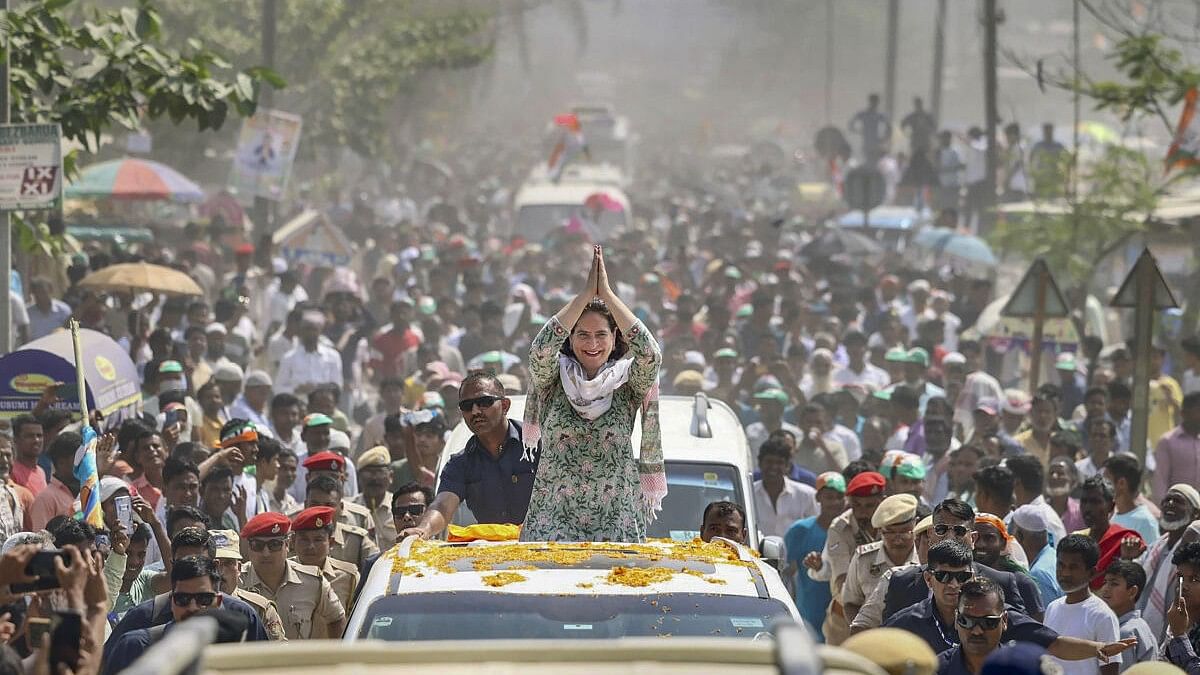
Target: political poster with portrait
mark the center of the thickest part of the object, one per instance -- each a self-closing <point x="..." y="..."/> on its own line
<point x="266" y="150"/>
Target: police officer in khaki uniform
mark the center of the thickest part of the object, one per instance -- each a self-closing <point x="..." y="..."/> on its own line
<point x="374" y="478"/>
<point x="312" y="534"/>
<point x="894" y="520"/>
<point x="330" y="463"/>
<point x="846" y="533"/>
<point x="350" y="543"/>
<point x="229" y="562"/>
<point x="306" y="602"/>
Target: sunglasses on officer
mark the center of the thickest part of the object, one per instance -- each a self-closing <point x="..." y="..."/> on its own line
<point x="944" y="576"/>
<point x="410" y="510"/>
<point x="258" y="545"/>
<point x="960" y="531"/>
<point x="182" y="599"/>
<point x="984" y="622"/>
<point x="482" y="401"/>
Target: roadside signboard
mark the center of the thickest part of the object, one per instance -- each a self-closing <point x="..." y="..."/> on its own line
<point x="30" y="167"/>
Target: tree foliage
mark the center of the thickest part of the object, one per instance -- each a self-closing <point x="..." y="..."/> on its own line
<point x="346" y="61"/>
<point x="91" y="70"/>
<point x="1119" y="190"/>
<point x="114" y="68"/>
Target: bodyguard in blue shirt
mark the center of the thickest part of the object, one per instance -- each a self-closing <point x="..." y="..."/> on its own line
<point x="493" y="474"/>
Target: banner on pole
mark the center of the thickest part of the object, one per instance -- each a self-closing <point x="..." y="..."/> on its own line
<point x="30" y="167"/>
<point x="262" y="165"/>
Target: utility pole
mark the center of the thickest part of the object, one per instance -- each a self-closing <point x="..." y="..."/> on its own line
<point x="989" y="105"/>
<point x="889" y="68"/>
<point x="6" y="341"/>
<point x="262" y="206"/>
<point x="939" y="56"/>
<point x="828" y="61"/>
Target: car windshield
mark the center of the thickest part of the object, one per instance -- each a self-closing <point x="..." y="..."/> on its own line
<point x="503" y="616"/>
<point x="691" y="486"/>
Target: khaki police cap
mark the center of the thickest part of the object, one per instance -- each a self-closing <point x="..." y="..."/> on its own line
<point x="228" y="544"/>
<point x="895" y="509"/>
<point x="376" y="456"/>
<point x="897" y="651"/>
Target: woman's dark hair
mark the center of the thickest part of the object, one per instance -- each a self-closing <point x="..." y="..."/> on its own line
<point x="620" y="346"/>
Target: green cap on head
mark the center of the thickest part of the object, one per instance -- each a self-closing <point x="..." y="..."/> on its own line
<point x="778" y="395"/>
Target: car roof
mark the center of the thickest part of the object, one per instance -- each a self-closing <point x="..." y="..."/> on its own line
<point x="726" y="444"/>
<point x="585" y="568"/>
<point x="622" y="656"/>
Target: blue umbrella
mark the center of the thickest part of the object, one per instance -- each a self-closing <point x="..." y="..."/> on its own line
<point x="949" y="243"/>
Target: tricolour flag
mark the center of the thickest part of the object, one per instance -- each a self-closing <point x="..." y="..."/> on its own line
<point x="1185" y="149"/>
<point x="89" y="480"/>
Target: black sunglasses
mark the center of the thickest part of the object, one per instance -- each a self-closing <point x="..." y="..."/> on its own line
<point x="182" y="599"/>
<point x="970" y="622"/>
<point x="412" y="510"/>
<point x="481" y="401"/>
<point x="960" y="531"/>
<point x="944" y="576"/>
<point x="258" y="545"/>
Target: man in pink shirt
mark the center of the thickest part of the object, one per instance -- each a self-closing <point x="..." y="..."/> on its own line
<point x="60" y="498"/>
<point x="1177" y="454"/>
<point x="27" y="447"/>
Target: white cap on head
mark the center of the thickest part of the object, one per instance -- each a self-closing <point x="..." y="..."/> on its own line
<point x="954" y="358"/>
<point x="338" y="439"/>
<point x="1031" y="518"/>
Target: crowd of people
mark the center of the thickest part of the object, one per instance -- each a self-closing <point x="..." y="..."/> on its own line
<point x="293" y="421"/>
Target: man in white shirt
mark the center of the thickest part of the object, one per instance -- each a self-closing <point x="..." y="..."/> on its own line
<point x="1079" y="614"/>
<point x="252" y="403"/>
<point x="857" y="369"/>
<point x="779" y="500"/>
<point x="47" y="313"/>
<point x="309" y="364"/>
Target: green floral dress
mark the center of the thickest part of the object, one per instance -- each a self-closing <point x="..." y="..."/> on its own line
<point x="588" y="486"/>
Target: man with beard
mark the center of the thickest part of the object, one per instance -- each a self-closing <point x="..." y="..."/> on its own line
<point x="1029" y="526"/>
<point x="494" y="473"/>
<point x="846" y="533"/>
<point x="1096" y="503"/>
<point x="1180" y="506"/>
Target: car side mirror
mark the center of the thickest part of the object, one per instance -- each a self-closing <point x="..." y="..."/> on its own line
<point x="772" y="550"/>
